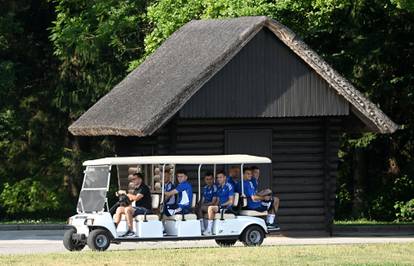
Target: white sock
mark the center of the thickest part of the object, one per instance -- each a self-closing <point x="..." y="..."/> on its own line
<point x="202" y="224"/>
<point x="210" y="226"/>
<point x="270" y="218"/>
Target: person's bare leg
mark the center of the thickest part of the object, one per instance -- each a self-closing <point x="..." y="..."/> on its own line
<point x="129" y="211"/>
<point x="212" y="210"/>
<point x="211" y="213"/>
<point x="276" y="202"/>
<point x="118" y="214"/>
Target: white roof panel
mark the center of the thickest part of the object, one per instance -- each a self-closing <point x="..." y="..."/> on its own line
<point x="184" y="159"/>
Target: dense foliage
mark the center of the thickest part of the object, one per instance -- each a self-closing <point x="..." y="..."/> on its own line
<point x="58" y="57"/>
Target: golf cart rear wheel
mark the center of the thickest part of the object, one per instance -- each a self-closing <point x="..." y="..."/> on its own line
<point x="226" y="242"/>
<point x="70" y="243"/>
<point x="99" y="240"/>
<point x="252" y="236"/>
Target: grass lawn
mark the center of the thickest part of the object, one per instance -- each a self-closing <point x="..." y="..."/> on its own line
<point x="362" y="254"/>
<point x="370" y="222"/>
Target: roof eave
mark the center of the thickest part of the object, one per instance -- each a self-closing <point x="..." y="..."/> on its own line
<point x="105" y="131"/>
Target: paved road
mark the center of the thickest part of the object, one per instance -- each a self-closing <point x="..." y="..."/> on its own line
<point x="37" y="241"/>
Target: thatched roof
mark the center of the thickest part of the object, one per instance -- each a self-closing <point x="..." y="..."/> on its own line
<point x="156" y="90"/>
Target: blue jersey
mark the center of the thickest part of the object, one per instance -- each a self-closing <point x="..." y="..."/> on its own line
<point x="209" y="192"/>
<point x="254" y="182"/>
<point x="185" y="195"/>
<point x="232" y="182"/>
<point x="224" y="192"/>
<point x="168" y="187"/>
<point x="249" y="191"/>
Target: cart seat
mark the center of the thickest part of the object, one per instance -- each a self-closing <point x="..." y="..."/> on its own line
<point x="225" y="216"/>
<point x="236" y="199"/>
<point x="150" y="217"/>
<point x="179" y="217"/>
<point x="194" y="201"/>
<point x="253" y="213"/>
<point x="155" y="201"/>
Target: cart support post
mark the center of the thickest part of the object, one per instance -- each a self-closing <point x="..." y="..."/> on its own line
<point x="162" y="183"/>
<point x="199" y="182"/>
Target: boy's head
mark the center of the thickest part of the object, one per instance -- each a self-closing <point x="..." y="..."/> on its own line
<point x="255" y="171"/>
<point x="137" y="179"/>
<point x="247" y="173"/>
<point x="182" y="175"/>
<point x="234" y="172"/>
<point x="167" y="175"/>
<point x="208" y="179"/>
<point x="221" y="177"/>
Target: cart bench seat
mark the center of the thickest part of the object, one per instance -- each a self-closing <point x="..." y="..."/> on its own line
<point x="150" y="217"/>
<point x="253" y="213"/>
<point x="179" y="217"/>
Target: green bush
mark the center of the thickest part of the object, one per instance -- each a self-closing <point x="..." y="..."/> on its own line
<point x="27" y="197"/>
<point x="405" y="211"/>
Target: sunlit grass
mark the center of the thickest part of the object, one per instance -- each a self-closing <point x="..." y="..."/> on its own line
<point x="358" y="254"/>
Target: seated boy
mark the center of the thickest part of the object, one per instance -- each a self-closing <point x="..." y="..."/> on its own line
<point x="225" y="195"/>
<point x="185" y="196"/>
<point x="257" y="202"/>
<point x="209" y="197"/>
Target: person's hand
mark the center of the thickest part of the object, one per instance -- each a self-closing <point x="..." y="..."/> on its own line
<point x="120" y="192"/>
<point x="130" y="197"/>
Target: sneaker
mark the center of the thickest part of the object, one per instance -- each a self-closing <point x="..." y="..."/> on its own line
<point x="128" y="233"/>
<point x="273" y="226"/>
<point x="207" y="233"/>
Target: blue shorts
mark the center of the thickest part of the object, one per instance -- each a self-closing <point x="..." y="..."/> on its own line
<point x="265" y="206"/>
<point x="140" y="211"/>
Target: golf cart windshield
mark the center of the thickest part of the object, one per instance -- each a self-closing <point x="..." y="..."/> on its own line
<point x="92" y="197"/>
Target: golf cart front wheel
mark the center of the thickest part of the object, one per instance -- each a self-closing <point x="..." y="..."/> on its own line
<point x="252" y="236"/>
<point x="226" y="242"/>
<point x="70" y="243"/>
<point x="99" y="240"/>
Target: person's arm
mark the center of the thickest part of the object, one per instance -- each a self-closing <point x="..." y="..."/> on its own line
<point x="214" y="201"/>
<point x="170" y="193"/>
<point x="136" y="197"/>
<point x="229" y="202"/>
<point x="257" y="197"/>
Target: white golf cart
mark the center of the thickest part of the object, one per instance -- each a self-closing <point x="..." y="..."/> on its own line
<point x="94" y="226"/>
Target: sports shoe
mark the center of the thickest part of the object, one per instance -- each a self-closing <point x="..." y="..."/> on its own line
<point x="128" y="233"/>
<point x="207" y="233"/>
<point x="273" y="226"/>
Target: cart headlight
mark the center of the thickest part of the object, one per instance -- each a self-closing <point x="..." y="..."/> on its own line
<point x="89" y="221"/>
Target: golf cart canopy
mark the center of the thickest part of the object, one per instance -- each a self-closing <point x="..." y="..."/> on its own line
<point x="186" y="159"/>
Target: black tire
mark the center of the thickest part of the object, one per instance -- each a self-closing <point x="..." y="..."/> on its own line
<point x="252" y="236"/>
<point x="71" y="244"/>
<point x="99" y="240"/>
<point x="226" y="242"/>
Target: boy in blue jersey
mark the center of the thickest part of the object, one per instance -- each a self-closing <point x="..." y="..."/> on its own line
<point x="233" y="177"/>
<point x="209" y="197"/>
<point x="257" y="202"/>
<point x="263" y="192"/>
<point x="185" y="196"/>
<point x="168" y="186"/>
<point x="225" y="195"/>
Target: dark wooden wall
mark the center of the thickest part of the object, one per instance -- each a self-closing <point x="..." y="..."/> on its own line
<point x="304" y="155"/>
<point x="265" y="79"/>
